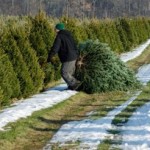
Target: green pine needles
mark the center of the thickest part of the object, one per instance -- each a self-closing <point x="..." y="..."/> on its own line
<point x="9" y="84"/>
<point x="100" y="70"/>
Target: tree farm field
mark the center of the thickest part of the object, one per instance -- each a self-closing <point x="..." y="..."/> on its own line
<point x="32" y="133"/>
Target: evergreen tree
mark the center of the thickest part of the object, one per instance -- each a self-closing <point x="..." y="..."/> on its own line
<point x="1" y="96"/>
<point x="56" y="65"/>
<point x="112" y="36"/>
<point x="39" y="46"/>
<point x="49" y="73"/>
<point x="146" y="26"/>
<point x="76" y="27"/>
<point x="95" y="30"/>
<point x="127" y="28"/>
<point x="123" y="35"/>
<point x="41" y="36"/>
<point x="30" y="58"/>
<point x="142" y="32"/>
<point x="133" y="26"/>
<point x="8" y="44"/>
<point x="100" y="70"/>
<point x="8" y="80"/>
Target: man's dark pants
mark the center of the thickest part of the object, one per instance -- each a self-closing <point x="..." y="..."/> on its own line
<point x="67" y="72"/>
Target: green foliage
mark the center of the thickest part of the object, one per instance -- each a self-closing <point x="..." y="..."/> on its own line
<point x="9" y="83"/>
<point x="146" y="26"/>
<point x="133" y="27"/>
<point x="41" y="36"/>
<point x="105" y="31"/>
<point x="142" y="31"/>
<point x="100" y="70"/>
<point x="56" y="65"/>
<point x="127" y="28"/>
<point x="95" y="30"/>
<point x="76" y="27"/>
<point x="111" y="36"/>
<point x="49" y="73"/>
<point x="1" y="96"/>
<point x="9" y="45"/>
<point x="123" y="35"/>
<point x="52" y="71"/>
<point x="30" y="58"/>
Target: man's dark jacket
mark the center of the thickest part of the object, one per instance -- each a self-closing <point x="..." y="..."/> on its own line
<point x="65" y="46"/>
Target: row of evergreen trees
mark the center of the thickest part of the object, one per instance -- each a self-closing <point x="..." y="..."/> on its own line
<point x="23" y="54"/>
<point x="122" y="34"/>
<point x="25" y="42"/>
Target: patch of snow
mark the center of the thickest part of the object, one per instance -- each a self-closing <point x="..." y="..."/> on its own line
<point x="136" y="147"/>
<point x="22" y="109"/>
<point x="135" y="52"/>
<point x="136" y="133"/>
<point x="143" y="74"/>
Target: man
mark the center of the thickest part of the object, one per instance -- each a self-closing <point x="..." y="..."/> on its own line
<point x="66" y="48"/>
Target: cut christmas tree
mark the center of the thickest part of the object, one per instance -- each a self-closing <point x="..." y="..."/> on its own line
<point x="99" y="69"/>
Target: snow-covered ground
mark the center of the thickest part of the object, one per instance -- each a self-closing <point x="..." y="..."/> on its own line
<point x="143" y="74"/>
<point x="136" y="133"/>
<point x="24" y="108"/>
<point x="54" y="96"/>
<point x="135" y="52"/>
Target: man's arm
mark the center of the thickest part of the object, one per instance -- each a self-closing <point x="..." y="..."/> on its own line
<point x="55" y="48"/>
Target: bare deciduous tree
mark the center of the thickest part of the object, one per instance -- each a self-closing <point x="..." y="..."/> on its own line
<point x="77" y="8"/>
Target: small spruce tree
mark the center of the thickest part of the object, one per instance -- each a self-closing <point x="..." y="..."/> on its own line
<point x="9" y="45"/>
<point x="30" y="58"/>
<point x="123" y="35"/>
<point x="41" y="36"/>
<point x="1" y="96"/>
<point x="76" y="27"/>
<point x="100" y="70"/>
<point x="112" y="37"/>
<point x="128" y="30"/>
<point x="49" y="73"/>
<point x="95" y="30"/>
<point x="8" y="80"/>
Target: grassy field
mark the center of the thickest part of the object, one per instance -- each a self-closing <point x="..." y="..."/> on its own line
<point x="33" y="132"/>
